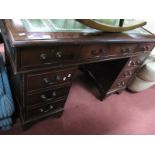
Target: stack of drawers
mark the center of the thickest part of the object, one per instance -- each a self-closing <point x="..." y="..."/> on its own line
<point x="41" y="78"/>
<point x="41" y="94"/>
<point x="47" y="93"/>
<point x="127" y="72"/>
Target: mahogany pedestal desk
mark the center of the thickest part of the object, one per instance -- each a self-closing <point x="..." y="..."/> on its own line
<point x="43" y="64"/>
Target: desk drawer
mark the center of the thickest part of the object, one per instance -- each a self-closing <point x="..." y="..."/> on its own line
<point x="43" y="56"/>
<point x="125" y="74"/>
<point x="47" y="79"/>
<point x="145" y="47"/>
<point x="107" y="50"/>
<point x="121" y="49"/>
<point x="45" y="110"/>
<point x="44" y="97"/>
<point x="135" y="61"/>
<point x="93" y="51"/>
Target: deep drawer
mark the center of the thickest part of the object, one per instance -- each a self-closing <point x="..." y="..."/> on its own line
<point x="47" y="96"/>
<point x="40" y="80"/>
<point x="43" y="111"/>
<point x="43" y="56"/>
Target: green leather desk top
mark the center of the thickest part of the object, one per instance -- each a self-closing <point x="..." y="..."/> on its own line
<point x="29" y="32"/>
<point x="69" y="25"/>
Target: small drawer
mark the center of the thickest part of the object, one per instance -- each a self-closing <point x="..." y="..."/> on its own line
<point x="41" y="80"/>
<point x="146" y="47"/>
<point x="125" y="74"/>
<point x="122" y="49"/>
<point x="106" y="50"/>
<point x="43" y="56"/>
<point x="43" y="111"/>
<point x="45" y="97"/>
<point x="93" y="51"/>
<point x="103" y="50"/>
<point x="136" y="61"/>
<point x="118" y="84"/>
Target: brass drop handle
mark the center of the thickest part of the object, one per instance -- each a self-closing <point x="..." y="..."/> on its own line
<point x="145" y="48"/>
<point x="131" y="63"/>
<point x="58" y="54"/>
<point x="127" y="74"/>
<point x="96" y="52"/>
<point x="134" y="63"/>
<point x="48" y="82"/>
<point x="44" y="98"/>
<point x="126" y="50"/>
<point x="43" y="56"/>
<point x="122" y="83"/>
<point x="45" y="111"/>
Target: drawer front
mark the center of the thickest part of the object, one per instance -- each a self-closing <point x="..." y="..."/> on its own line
<point x="125" y="74"/>
<point x="146" y="47"/>
<point x="47" y="79"/>
<point x="105" y="50"/>
<point x="43" y="56"/>
<point x="45" y="97"/>
<point x="45" y="110"/>
<point x="93" y="51"/>
<point x="135" y="61"/>
<point x="122" y="49"/>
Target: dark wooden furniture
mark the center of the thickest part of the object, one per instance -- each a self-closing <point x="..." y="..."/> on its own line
<point x="43" y="64"/>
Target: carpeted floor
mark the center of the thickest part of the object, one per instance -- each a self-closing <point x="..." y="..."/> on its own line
<point x="126" y="113"/>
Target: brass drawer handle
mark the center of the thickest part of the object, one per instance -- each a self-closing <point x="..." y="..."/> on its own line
<point x="58" y="54"/>
<point x="126" y="50"/>
<point x="45" y="111"/>
<point x="127" y="74"/>
<point x="134" y="63"/>
<point x="97" y="52"/>
<point x="145" y="48"/>
<point x="131" y="63"/>
<point x="120" y="84"/>
<point x="48" y="82"/>
<point x="43" y="56"/>
<point x="45" y="99"/>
